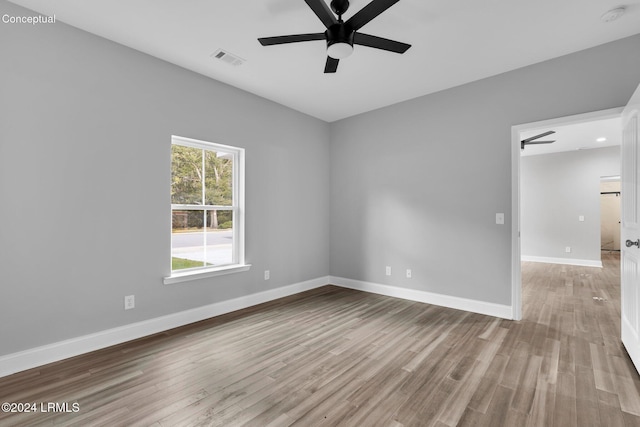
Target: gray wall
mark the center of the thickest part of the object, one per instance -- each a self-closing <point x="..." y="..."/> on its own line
<point x="555" y="189"/>
<point x="85" y="133"/>
<point x="417" y="185"/>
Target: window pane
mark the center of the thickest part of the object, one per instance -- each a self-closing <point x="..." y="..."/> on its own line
<point x="218" y="178"/>
<point x="187" y="239"/>
<point x="186" y="175"/>
<point x="219" y="239"/>
<point x="194" y="246"/>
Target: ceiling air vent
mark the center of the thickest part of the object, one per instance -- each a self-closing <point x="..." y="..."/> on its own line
<point x="227" y="57"/>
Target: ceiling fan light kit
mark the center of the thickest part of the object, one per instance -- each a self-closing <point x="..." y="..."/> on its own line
<point x="339" y="50"/>
<point x="340" y="36"/>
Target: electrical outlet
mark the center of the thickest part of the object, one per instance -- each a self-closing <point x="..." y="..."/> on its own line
<point x="388" y="271"/>
<point x="408" y="273"/>
<point x="266" y="275"/>
<point x="129" y="302"/>
<point x="581" y="218"/>
<point x="567" y="249"/>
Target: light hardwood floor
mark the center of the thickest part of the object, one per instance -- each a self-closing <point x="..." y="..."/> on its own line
<point x="334" y="356"/>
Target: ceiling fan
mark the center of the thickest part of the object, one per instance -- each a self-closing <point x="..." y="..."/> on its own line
<point x="532" y="140"/>
<point x="341" y="36"/>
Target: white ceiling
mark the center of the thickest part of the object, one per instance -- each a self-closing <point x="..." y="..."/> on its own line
<point x="580" y="136"/>
<point x="454" y="42"/>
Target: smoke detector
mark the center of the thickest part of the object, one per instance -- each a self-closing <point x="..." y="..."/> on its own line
<point x="613" y="14"/>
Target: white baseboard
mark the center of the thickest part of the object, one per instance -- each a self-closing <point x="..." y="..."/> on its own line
<point x="567" y="261"/>
<point x="488" y="308"/>
<point x="16" y="362"/>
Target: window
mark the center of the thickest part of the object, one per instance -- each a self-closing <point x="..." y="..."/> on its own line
<point x="207" y="214"/>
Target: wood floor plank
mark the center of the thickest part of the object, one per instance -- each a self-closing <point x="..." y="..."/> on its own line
<point x="628" y="394"/>
<point x="485" y="390"/>
<point x="340" y="357"/>
<point x="543" y="406"/>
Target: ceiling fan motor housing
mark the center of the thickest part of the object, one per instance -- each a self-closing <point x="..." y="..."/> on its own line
<point x="340" y="36"/>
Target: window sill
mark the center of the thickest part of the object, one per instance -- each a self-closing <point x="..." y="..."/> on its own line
<point x="178" y="277"/>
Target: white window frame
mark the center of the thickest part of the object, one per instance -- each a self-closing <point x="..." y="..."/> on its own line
<point x="238" y="261"/>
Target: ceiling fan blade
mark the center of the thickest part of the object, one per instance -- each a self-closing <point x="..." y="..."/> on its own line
<point x="294" y="38"/>
<point x="370" y="11"/>
<point x="323" y="12"/>
<point x="528" y="142"/>
<point x="332" y="65"/>
<point x="380" y="43"/>
<point x="538" y="136"/>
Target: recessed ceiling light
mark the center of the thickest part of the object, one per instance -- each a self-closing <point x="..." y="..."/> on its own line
<point x="613" y="14"/>
<point x="601" y="139"/>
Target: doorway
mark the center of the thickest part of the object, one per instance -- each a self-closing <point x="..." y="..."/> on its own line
<point x="516" y="132"/>
<point x="610" y="188"/>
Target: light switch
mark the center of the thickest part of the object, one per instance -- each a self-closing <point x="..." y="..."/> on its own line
<point x="581" y="218"/>
<point x="499" y="218"/>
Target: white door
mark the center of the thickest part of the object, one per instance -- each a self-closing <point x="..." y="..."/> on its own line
<point x="630" y="231"/>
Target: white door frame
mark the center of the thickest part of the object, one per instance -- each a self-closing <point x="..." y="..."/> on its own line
<point x="516" y="274"/>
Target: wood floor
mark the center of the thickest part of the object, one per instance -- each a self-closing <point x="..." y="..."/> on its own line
<point x="334" y="356"/>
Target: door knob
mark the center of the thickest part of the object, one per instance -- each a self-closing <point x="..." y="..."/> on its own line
<point x="630" y="243"/>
